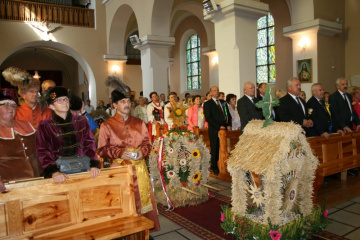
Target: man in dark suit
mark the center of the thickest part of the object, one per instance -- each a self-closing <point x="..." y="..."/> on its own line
<point x="217" y="115"/>
<point x="318" y="113"/>
<point x="292" y="107"/>
<point x="246" y="106"/>
<point x="261" y="89"/>
<point x="342" y="113"/>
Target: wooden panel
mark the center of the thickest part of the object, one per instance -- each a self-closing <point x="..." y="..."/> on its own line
<point x="3" y="225"/>
<point x="330" y="152"/>
<point x="14" y="217"/>
<point x="45" y="211"/>
<point x="108" y="230"/>
<point x="102" y="200"/>
<point x="37" y="208"/>
<point x="232" y="138"/>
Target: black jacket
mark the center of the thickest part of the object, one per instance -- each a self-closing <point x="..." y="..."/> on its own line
<point x="340" y="112"/>
<point x="320" y="117"/>
<point x="248" y="111"/>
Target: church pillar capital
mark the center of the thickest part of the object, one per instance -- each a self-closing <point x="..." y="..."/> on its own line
<point x="242" y="8"/>
<point x="235" y="24"/>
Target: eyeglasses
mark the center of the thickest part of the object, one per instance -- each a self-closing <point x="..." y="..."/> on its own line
<point x="61" y="100"/>
<point x="8" y="104"/>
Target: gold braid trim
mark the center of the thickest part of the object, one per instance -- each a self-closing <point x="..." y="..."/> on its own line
<point x="72" y="132"/>
<point x="72" y="146"/>
<point x="67" y="123"/>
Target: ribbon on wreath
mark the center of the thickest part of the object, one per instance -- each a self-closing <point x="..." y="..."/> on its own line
<point x="170" y="203"/>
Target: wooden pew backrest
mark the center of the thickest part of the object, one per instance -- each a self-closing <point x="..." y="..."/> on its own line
<point x="43" y="208"/>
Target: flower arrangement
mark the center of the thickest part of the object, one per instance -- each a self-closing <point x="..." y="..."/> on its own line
<point x="310" y="111"/>
<point x="302" y="228"/>
<point x="184" y="167"/>
<point x="177" y="113"/>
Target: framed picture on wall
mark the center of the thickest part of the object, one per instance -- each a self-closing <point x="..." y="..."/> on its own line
<point x="304" y="70"/>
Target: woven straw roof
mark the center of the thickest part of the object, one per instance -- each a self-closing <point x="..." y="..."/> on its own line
<point x="260" y="149"/>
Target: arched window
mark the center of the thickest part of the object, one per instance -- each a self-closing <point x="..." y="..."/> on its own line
<point x="193" y="63"/>
<point x="265" y="52"/>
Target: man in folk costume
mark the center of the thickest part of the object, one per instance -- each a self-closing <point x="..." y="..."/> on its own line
<point x="29" y="88"/>
<point x="64" y="142"/>
<point x="17" y="143"/>
<point x="125" y="139"/>
<point x="155" y="113"/>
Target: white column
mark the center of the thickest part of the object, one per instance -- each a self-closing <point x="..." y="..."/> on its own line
<point x="213" y="65"/>
<point x="155" y="63"/>
<point x="235" y="24"/>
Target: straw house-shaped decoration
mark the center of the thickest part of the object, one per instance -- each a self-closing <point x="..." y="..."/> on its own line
<point x="273" y="172"/>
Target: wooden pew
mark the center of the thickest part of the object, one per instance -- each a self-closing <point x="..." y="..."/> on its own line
<point x="228" y="140"/>
<point x="80" y="208"/>
<point x="204" y="134"/>
<point x="336" y="155"/>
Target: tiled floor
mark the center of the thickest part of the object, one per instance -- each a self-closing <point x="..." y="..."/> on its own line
<point x="345" y="219"/>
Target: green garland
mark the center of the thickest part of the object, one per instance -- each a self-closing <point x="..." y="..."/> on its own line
<point x="303" y="228"/>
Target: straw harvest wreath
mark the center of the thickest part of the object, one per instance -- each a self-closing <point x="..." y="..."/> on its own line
<point x="179" y="165"/>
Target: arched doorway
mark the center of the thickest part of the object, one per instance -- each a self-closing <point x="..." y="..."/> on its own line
<point x="39" y="55"/>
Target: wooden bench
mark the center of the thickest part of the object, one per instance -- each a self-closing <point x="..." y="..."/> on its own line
<point x="80" y="208"/>
<point x="336" y="155"/>
<point x="228" y="140"/>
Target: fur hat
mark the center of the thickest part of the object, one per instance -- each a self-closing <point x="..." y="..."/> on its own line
<point x="75" y="103"/>
<point x="55" y="92"/>
<point x="21" y="79"/>
<point x="121" y="90"/>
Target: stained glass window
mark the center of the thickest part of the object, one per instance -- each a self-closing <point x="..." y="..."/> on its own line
<point x="193" y="63"/>
<point x="265" y="52"/>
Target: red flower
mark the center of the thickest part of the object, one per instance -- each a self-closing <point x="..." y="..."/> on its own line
<point x="326" y="213"/>
<point x="275" y="235"/>
<point x="222" y="217"/>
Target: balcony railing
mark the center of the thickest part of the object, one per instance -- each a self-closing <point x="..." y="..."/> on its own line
<point x="15" y="10"/>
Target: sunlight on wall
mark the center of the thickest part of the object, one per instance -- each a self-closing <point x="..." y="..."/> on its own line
<point x="42" y="30"/>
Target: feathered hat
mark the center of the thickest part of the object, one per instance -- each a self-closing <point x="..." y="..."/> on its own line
<point x="120" y="89"/>
<point x="20" y="78"/>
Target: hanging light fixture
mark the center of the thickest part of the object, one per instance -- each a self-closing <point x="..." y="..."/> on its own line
<point x="36" y="75"/>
